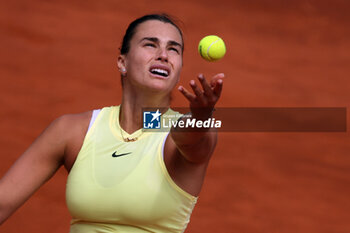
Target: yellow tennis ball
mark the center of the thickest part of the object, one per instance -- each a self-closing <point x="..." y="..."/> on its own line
<point x="212" y="48"/>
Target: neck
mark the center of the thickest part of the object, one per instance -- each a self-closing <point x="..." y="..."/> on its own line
<point x="130" y="116"/>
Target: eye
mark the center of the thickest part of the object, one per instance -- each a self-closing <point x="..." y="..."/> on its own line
<point x="174" y="49"/>
<point x="149" y="45"/>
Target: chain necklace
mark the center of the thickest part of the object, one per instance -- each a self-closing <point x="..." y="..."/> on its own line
<point x="127" y="139"/>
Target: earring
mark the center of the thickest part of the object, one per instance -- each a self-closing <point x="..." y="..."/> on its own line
<point x="123" y="72"/>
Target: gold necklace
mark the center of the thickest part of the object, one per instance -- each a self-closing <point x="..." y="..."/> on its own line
<point x="127" y="139"/>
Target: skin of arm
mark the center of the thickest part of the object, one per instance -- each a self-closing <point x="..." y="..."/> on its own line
<point x="187" y="152"/>
<point x="195" y="144"/>
<point x="38" y="163"/>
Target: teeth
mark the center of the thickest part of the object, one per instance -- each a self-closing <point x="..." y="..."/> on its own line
<point x="160" y="71"/>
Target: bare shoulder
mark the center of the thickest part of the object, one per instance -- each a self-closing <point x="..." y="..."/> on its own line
<point x="75" y="120"/>
<point x="73" y="128"/>
<point x="67" y="127"/>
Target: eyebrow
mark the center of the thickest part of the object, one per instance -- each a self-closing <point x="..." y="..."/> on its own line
<point x="156" y="40"/>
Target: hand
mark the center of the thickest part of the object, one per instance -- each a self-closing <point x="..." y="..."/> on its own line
<point x="202" y="102"/>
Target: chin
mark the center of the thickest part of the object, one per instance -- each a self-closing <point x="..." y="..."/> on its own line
<point x="160" y="87"/>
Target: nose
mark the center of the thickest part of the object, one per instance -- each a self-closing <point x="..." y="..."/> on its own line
<point x="162" y="55"/>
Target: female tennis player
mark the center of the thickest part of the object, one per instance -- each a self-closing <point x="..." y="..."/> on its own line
<point x="122" y="179"/>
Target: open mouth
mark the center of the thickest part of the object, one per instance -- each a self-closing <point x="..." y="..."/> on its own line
<point x="160" y="71"/>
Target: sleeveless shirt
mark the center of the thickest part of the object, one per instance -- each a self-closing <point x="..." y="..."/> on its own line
<point x="117" y="186"/>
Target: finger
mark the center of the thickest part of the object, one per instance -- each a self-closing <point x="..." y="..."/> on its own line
<point x="188" y="95"/>
<point x="197" y="91"/>
<point x="218" y="87"/>
<point x="215" y="78"/>
<point x="207" y="89"/>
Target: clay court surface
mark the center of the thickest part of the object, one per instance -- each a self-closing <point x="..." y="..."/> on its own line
<point x="59" y="57"/>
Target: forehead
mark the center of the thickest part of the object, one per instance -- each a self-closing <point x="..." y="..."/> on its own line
<point x="155" y="28"/>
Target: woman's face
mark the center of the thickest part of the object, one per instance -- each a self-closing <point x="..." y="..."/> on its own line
<point x="154" y="60"/>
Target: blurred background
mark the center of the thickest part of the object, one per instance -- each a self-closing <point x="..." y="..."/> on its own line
<point x="59" y="57"/>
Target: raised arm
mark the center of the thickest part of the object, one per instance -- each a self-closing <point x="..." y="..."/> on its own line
<point x="36" y="165"/>
<point x="197" y="144"/>
<point x="187" y="151"/>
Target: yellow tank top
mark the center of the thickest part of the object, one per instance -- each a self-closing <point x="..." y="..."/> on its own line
<point x="117" y="186"/>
